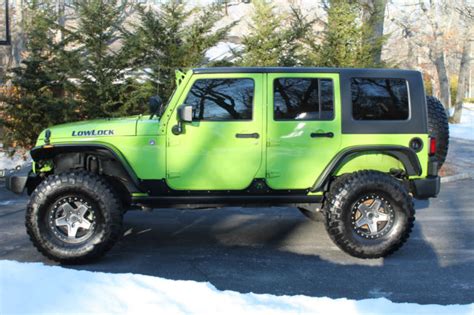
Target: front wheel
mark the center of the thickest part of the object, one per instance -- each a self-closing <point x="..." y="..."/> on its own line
<point x="369" y="214"/>
<point x="74" y="217"/>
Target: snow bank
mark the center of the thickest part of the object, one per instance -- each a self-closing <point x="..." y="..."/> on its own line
<point x="7" y="162"/>
<point x="465" y="129"/>
<point x="36" y="288"/>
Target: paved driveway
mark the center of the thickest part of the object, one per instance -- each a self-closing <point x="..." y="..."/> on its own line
<point x="278" y="251"/>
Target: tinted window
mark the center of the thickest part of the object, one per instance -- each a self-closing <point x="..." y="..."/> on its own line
<point x="221" y="99"/>
<point x="303" y="99"/>
<point x="379" y="99"/>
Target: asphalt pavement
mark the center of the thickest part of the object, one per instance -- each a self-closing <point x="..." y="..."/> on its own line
<point x="279" y="251"/>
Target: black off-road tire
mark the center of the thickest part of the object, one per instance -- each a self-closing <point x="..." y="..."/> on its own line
<point x="108" y="216"/>
<point x="345" y="193"/>
<point x="438" y="127"/>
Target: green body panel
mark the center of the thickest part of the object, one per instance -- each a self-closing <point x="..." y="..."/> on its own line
<point x="294" y="159"/>
<point x="121" y="127"/>
<point x="208" y="156"/>
<point x="147" y="160"/>
<point x="382" y="162"/>
<point x="145" y="154"/>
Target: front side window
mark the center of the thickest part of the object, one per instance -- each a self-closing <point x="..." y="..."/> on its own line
<point x="379" y="99"/>
<point x="303" y="99"/>
<point x="221" y="99"/>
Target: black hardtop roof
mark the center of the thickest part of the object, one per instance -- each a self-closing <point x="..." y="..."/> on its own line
<point x="350" y="71"/>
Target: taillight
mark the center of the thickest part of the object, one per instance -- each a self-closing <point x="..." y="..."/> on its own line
<point x="432" y="146"/>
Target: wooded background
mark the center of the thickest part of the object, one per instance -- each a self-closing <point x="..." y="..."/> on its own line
<point x="75" y="60"/>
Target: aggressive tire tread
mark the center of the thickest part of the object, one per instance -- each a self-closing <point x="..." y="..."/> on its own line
<point x="90" y="185"/>
<point x="340" y="198"/>
<point x="438" y="127"/>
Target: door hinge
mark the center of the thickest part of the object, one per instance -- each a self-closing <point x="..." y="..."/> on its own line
<point x="173" y="175"/>
<point x="272" y="174"/>
<point x="273" y="143"/>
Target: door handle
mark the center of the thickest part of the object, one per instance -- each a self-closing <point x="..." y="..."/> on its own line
<point x="322" y="135"/>
<point x="254" y="135"/>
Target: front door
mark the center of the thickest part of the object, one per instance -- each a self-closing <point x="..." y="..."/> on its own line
<point x="303" y="127"/>
<point x="222" y="148"/>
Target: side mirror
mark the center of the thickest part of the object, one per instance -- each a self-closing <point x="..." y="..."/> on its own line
<point x="154" y="104"/>
<point x="185" y="114"/>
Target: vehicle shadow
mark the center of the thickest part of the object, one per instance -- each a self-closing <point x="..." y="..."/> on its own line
<point x="277" y="251"/>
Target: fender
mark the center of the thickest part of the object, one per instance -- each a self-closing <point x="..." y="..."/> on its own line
<point x="405" y="155"/>
<point x="50" y="151"/>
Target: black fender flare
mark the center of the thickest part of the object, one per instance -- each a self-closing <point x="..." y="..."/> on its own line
<point x="405" y="155"/>
<point x="50" y="151"/>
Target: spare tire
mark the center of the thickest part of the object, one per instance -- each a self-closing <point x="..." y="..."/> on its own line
<point x="438" y="127"/>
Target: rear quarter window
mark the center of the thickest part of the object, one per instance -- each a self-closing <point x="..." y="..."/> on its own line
<point x="380" y="99"/>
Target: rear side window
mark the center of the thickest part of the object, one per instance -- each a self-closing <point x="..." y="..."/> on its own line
<point x="303" y="99"/>
<point x="221" y="99"/>
<point x="379" y="99"/>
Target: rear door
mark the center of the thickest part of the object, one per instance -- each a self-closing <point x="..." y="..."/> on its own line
<point x="222" y="148"/>
<point x="304" y="127"/>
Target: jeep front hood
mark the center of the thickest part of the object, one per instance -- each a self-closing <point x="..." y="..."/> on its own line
<point x="92" y="129"/>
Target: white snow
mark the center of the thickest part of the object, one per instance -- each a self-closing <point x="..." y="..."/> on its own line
<point x="35" y="288"/>
<point x="465" y="129"/>
<point x="223" y="50"/>
<point x="10" y="162"/>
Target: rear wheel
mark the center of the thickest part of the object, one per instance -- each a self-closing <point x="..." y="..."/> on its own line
<point x="369" y="214"/>
<point x="74" y="217"/>
<point x="438" y="127"/>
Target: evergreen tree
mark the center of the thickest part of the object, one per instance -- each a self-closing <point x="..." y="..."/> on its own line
<point x="38" y="86"/>
<point x="274" y="38"/>
<point x="344" y="39"/>
<point x="373" y="17"/>
<point x="101" y="62"/>
<point x="171" y="38"/>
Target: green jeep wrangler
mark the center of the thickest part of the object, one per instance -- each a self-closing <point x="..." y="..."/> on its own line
<point x="352" y="145"/>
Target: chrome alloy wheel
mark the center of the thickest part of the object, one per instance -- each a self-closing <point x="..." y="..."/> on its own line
<point x="372" y="216"/>
<point x="72" y="219"/>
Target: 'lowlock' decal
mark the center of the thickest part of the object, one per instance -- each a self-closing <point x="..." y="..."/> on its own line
<point x="92" y="132"/>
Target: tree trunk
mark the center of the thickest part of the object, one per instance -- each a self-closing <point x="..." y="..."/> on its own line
<point x="60" y="8"/>
<point x="434" y="87"/>
<point x="463" y="75"/>
<point x="444" y="91"/>
<point x="436" y="51"/>
<point x="19" y="42"/>
<point x="373" y="14"/>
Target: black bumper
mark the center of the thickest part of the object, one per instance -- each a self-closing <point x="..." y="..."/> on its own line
<point x="17" y="180"/>
<point x="426" y="188"/>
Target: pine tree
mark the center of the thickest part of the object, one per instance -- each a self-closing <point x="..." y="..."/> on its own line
<point x="101" y="61"/>
<point x="274" y="38"/>
<point x="344" y="39"/>
<point x="171" y="38"/>
<point x="39" y="85"/>
<point x="373" y="17"/>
